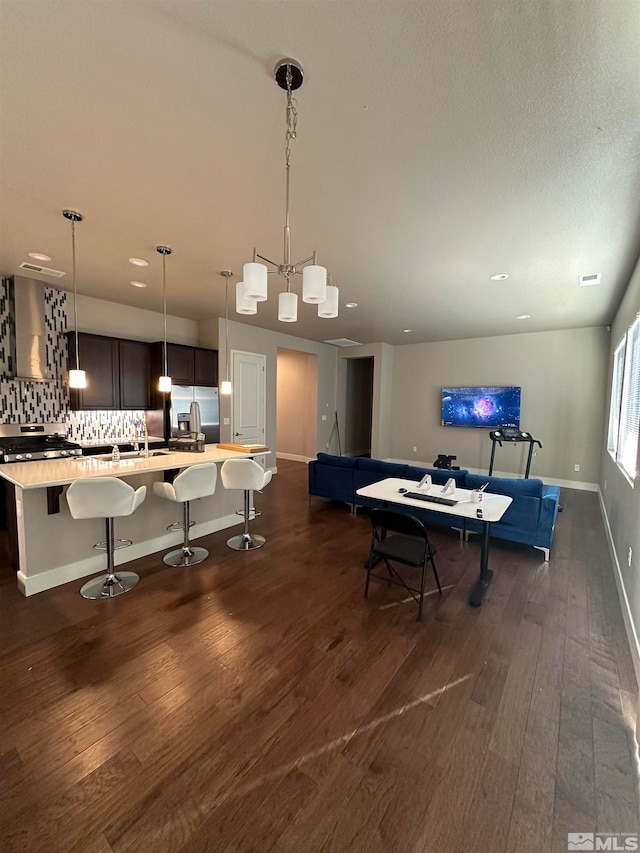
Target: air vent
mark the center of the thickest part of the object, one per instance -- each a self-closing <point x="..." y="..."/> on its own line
<point x="344" y="342"/>
<point x="44" y="270"/>
<point x="588" y="280"/>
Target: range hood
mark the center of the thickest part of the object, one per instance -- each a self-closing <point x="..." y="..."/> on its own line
<point x="27" y="330"/>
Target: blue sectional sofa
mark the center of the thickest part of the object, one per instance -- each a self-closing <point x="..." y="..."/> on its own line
<point x="529" y="520"/>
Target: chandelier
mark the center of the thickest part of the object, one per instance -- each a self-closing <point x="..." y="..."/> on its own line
<point x="315" y="290"/>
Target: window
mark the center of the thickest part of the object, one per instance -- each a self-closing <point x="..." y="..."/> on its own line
<point x="616" y="399"/>
<point x="630" y="408"/>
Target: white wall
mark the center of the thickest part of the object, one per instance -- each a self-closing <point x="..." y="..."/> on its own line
<point x="563" y="379"/>
<point x="123" y="321"/>
<point x="621" y="501"/>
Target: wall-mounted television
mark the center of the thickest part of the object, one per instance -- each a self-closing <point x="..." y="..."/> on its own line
<point x="481" y="407"/>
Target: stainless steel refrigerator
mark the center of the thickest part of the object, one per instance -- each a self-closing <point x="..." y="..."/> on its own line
<point x="207" y="398"/>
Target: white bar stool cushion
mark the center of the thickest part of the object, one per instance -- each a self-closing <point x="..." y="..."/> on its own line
<point x="103" y="497"/>
<point x="244" y="474"/>
<point x="197" y="481"/>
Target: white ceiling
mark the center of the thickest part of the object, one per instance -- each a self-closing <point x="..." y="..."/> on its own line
<point x="438" y="143"/>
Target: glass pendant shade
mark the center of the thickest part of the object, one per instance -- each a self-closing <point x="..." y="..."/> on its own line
<point x="329" y="308"/>
<point x="164" y="384"/>
<point x="314" y="284"/>
<point x="77" y="379"/>
<point x="288" y="307"/>
<point x="225" y="388"/>
<point x="244" y="305"/>
<point x="255" y="281"/>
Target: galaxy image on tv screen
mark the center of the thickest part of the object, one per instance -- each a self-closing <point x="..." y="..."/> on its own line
<point x="481" y="407"/>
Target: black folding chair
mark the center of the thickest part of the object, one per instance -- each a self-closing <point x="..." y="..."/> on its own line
<point x="409" y="545"/>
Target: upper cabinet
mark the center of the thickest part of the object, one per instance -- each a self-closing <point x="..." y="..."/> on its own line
<point x="117" y="373"/>
<point x="187" y="365"/>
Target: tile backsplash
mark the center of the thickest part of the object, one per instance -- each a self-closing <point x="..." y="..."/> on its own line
<point x="108" y="426"/>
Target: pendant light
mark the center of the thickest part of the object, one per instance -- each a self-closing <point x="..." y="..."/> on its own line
<point x="226" y="387"/>
<point x="77" y="377"/>
<point x="164" y="383"/>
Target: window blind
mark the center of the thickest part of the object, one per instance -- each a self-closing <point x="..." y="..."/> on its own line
<point x="630" y="408"/>
<point x="616" y="398"/>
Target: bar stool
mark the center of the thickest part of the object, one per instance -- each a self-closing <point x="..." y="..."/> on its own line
<point x="245" y="474"/>
<point x="108" y="498"/>
<point x="197" y="481"/>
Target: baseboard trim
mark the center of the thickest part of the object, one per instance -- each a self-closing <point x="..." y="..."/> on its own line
<point x="292" y="457"/>
<point x="629" y="624"/>
<point x="94" y="565"/>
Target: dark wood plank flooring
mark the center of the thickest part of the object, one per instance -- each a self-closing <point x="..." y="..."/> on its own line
<point x="257" y="702"/>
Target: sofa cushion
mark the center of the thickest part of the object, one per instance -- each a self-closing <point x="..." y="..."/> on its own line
<point x="381" y="469"/>
<point x="505" y="486"/>
<point x="337" y="461"/>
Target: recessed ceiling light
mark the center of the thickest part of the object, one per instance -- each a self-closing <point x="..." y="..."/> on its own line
<point x="350" y="304"/>
<point x="499" y="276"/>
<point x="138" y="262"/>
<point x="407" y="330"/>
<point x="137" y="284"/>
<point x="523" y="317"/>
<point x="38" y="256"/>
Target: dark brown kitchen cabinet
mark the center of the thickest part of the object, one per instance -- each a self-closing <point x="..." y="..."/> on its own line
<point x="205" y="368"/>
<point x="99" y="359"/>
<point x="186" y="365"/>
<point x="117" y="373"/>
<point x="135" y="364"/>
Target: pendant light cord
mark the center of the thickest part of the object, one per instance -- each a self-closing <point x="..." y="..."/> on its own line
<point x="226" y="325"/>
<point x="75" y="295"/>
<point x="164" y="307"/>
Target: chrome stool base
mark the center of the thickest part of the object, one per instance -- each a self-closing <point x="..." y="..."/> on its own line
<point x="185" y="556"/>
<point x="246" y="542"/>
<point x="110" y="585"/>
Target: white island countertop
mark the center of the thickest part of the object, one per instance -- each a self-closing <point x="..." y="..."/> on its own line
<point x="60" y="472"/>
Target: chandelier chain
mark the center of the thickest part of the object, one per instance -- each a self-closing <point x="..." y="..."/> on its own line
<point x="292" y="116"/>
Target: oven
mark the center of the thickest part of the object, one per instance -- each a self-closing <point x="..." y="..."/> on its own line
<point x="35" y="442"/>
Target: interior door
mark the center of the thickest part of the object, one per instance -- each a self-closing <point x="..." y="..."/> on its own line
<point x="248" y="377"/>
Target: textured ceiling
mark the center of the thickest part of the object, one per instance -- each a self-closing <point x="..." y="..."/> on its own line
<point x="438" y="143"/>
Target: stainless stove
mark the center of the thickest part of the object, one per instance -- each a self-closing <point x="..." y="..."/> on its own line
<point x="33" y="442"/>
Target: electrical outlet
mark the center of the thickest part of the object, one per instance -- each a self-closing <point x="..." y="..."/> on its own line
<point x="576" y="467"/>
<point x="226" y="422"/>
<point x="324" y="417"/>
<point x="630" y="556"/>
<point x="327" y="446"/>
<point x="415" y="449"/>
<point x="605" y="485"/>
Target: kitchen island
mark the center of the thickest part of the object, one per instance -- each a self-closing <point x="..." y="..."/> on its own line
<point x="54" y="549"/>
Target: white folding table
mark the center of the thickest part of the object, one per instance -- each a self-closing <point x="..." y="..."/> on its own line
<point x="493" y="508"/>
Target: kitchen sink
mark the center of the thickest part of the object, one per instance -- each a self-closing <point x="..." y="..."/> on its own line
<point x="127" y="456"/>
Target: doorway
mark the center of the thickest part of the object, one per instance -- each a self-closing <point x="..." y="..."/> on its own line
<point x="359" y="406"/>
<point x="296" y="405"/>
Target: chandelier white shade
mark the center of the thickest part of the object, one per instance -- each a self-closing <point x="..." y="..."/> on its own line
<point x="77" y="377"/>
<point x="255" y="281"/>
<point x="329" y="308"/>
<point x="164" y="384"/>
<point x="244" y="303"/>
<point x="314" y="284"/>
<point x="289" y="76"/>
<point x="288" y="307"/>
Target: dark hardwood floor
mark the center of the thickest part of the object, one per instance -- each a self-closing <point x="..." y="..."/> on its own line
<point x="257" y="702"/>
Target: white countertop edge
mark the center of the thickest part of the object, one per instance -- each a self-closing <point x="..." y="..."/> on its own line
<point x="61" y="472"/>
